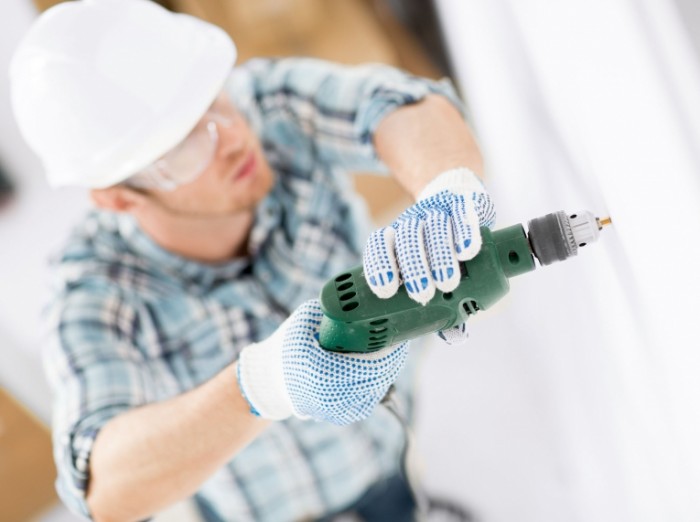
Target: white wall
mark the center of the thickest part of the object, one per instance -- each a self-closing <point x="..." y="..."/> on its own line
<point x="578" y="398"/>
<point x="29" y="229"/>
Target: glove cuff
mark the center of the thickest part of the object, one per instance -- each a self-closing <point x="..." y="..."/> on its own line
<point x="459" y="180"/>
<point x="261" y="378"/>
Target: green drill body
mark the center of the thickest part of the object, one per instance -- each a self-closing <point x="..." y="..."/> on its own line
<point x="356" y="320"/>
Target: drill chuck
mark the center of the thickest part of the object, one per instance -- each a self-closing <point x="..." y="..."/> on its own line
<point x="356" y="320"/>
<point x="558" y="236"/>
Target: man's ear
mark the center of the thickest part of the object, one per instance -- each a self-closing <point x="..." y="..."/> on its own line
<point x="118" y="198"/>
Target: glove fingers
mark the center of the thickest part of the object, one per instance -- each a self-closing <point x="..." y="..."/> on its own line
<point x="380" y="267"/>
<point x="485" y="209"/>
<point x="387" y="363"/>
<point x="359" y="382"/>
<point x="439" y="239"/>
<point x="454" y="336"/>
<point x="465" y="222"/>
<point x="412" y="259"/>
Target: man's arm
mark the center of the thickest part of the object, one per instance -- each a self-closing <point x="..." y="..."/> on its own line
<point x="333" y="109"/>
<point x="155" y="455"/>
<point x="419" y="141"/>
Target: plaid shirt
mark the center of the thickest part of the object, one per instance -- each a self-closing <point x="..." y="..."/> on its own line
<point x="131" y="323"/>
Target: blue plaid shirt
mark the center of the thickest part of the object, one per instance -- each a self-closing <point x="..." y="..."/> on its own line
<point x="131" y="323"/>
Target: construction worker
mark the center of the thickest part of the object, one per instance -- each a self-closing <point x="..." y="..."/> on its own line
<point x="183" y="352"/>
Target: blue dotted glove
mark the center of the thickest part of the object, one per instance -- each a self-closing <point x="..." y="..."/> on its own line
<point x="290" y="374"/>
<point x="424" y="245"/>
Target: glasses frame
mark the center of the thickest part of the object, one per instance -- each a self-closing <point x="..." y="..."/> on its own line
<point x="166" y="173"/>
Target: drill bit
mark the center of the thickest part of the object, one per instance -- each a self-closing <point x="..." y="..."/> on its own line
<point x="603" y="222"/>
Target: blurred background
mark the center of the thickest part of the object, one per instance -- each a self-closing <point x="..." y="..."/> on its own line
<point x="577" y="397"/>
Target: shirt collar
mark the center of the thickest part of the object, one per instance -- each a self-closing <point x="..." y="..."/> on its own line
<point x="267" y="218"/>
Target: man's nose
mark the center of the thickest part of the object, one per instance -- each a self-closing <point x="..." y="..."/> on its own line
<point x="231" y="139"/>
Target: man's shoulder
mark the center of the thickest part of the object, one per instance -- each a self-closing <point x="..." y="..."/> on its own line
<point x="96" y="256"/>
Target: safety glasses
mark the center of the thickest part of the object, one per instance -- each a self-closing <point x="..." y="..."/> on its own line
<point x="186" y="161"/>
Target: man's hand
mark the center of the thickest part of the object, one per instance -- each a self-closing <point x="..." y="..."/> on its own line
<point x="424" y="245"/>
<point x="290" y="374"/>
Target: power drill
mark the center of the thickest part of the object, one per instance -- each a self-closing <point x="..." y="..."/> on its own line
<point x="355" y="320"/>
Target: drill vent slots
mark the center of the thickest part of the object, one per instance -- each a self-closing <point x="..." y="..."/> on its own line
<point x="344" y="285"/>
<point x="378" y="334"/>
<point x="470" y="307"/>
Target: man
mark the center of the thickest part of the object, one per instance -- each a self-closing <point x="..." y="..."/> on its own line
<point x="184" y="356"/>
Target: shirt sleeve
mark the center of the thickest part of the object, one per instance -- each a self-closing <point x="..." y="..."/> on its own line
<point x="338" y="107"/>
<point x="95" y="374"/>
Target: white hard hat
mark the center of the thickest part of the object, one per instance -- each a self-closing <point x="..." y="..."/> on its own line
<point x="102" y="88"/>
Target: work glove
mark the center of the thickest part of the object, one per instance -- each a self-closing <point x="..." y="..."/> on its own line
<point x="425" y="244"/>
<point x="290" y="374"/>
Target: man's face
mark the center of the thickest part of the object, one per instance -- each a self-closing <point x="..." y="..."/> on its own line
<point x="237" y="178"/>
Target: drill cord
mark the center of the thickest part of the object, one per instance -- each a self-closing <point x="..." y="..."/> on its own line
<point x="420" y="499"/>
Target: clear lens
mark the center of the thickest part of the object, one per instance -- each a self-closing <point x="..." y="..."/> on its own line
<point x="182" y="164"/>
<point x="152" y="177"/>
<point x="186" y="161"/>
<point x="189" y="159"/>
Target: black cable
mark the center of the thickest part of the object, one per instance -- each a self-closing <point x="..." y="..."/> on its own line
<point x="420" y="499"/>
<point x="425" y="506"/>
<point x="7" y="188"/>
